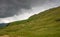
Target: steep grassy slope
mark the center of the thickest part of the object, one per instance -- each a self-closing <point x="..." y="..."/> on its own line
<point x="45" y="24"/>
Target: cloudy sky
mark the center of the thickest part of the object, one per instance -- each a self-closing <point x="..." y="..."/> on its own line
<point x="12" y="10"/>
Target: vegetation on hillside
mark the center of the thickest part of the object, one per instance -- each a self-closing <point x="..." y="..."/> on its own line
<point x="44" y="24"/>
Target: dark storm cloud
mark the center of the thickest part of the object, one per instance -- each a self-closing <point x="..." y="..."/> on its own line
<point x="11" y="7"/>
<point x="14" y="10"/>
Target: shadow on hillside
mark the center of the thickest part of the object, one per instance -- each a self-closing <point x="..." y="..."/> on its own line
<point x="57" y="20"/>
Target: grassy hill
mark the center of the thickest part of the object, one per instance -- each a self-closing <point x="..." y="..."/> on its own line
<point x="44" y="24"/>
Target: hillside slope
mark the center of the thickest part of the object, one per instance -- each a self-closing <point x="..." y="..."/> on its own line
<point x="45" y="24"/>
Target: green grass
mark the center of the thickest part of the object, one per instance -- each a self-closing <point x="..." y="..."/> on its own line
<point x="44" y="24"/>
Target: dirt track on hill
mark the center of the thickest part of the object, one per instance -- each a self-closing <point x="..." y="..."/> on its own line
<point x="5" y="36"/>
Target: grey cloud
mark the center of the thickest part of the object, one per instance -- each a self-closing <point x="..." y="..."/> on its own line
<point x="10" y="8"/>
